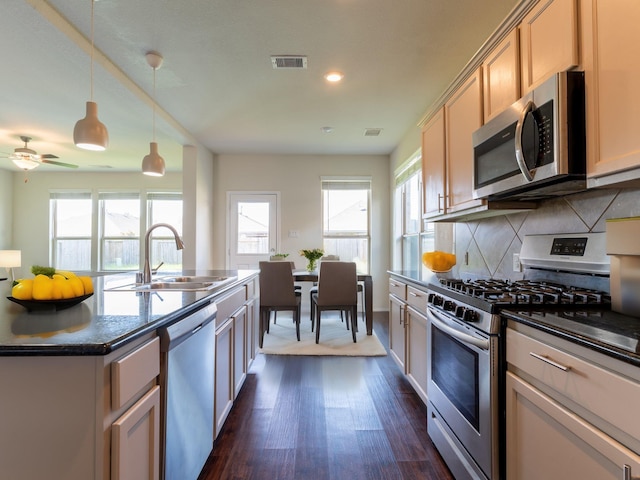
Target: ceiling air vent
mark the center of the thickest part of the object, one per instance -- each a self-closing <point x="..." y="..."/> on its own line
<point x="372" y="132"/>
<point x="288" y="61"/>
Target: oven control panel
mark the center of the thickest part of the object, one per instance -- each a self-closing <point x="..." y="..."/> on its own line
<point x="462" y="312"/>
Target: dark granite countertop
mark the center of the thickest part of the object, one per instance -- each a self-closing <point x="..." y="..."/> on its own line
<point x="607" y="332"/>
<point x="105" y="321"/>
<point x="601" y="330"/>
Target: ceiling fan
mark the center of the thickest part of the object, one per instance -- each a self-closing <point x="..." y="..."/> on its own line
<point x="27" y="159"/>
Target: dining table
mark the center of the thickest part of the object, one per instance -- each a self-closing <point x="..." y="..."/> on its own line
<point x="367" y="281"/>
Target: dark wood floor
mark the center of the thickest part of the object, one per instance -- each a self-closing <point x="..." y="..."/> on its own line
<point x="317" y="418"/>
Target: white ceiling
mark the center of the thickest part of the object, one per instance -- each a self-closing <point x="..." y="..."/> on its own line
<point x="217" y="85"/>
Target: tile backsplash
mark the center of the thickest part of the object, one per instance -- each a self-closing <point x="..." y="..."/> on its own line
<point x="488" y="244"/>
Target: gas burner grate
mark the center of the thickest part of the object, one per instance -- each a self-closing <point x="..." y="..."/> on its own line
<point x="526" y="292"/>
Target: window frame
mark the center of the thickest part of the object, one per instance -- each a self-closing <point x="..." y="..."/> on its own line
<point x="97" y="238"/>
<point x="348" y="183"/>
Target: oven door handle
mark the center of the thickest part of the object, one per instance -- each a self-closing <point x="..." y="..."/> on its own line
<point x="522" y="164"/>
<point x="454" y="332"/>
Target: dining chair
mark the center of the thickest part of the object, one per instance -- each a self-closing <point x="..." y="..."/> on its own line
<point x="338" y="291"/>
<point x="277" y="294"/>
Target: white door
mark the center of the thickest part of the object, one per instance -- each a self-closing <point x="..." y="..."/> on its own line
<point x="253" y="228"/>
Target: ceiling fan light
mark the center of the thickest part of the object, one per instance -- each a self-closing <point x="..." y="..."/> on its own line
<point x="153" y="164"/>
<point x="23" y="162"/>
<point x="89" y="132"/>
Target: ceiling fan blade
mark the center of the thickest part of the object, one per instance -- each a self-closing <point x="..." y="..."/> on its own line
<point x="60" y="164"/>
<point x="48" y="155"/>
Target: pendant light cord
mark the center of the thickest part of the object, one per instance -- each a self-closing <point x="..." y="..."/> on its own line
<point x="154" y="104"/>
<point x="91" y="69"/>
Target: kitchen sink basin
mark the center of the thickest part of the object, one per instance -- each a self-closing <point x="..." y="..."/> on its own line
<point x="181" y="286"/>
<point x="183" y="283"/>
<point x="196" y="278"/>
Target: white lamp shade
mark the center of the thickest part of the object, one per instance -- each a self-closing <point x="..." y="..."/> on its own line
<point x="153" y="164"/>
<point x="89" y="132"/>
<point x="10" y="258"/>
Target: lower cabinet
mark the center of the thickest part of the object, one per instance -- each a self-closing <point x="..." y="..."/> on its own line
<point x="236" y="346"/>
<point x="135" y="440"/>
<point x="82" y="417"/>
<point x="224" y="394"/>
<point x="416" y="365"/>
<point x="568" y="415"/>
<point x="397" y="334"/>
<point x="408" y="330"/>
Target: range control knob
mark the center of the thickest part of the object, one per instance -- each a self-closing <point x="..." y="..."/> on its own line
<point x="470" y="316"/>
<point x="437" y="300"/>
<point x="449" y="306"/>
<point x="460" y="311"/>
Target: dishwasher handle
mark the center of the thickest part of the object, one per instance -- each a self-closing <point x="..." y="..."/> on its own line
<point x="182" y="329"/>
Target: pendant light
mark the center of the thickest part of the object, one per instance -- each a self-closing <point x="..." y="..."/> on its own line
<point x="89" y="132"/>
<point x="153" y="164"/>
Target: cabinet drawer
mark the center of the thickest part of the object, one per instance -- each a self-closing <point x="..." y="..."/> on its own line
<point x="230" y="303"/>
<point x="130" y="373"/>
<point x="599" y="391"/>
<point x="398" y="289"/>
<point x="417" y="299"/>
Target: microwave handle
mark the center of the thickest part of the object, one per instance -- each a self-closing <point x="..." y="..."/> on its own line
<point x="518" y="141"/>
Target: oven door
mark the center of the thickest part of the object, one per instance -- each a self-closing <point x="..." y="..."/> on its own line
<point x="462" y="385"/>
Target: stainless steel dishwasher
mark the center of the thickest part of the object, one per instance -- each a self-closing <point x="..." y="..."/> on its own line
<point x="187" y="380"/>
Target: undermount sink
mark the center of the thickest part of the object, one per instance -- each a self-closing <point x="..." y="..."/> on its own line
<point x="178" y="283"/>
<point x="196" y="278"/>
<point x="180" y="286"/>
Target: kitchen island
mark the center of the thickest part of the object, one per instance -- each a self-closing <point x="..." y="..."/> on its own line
<point x="81" y="391"/>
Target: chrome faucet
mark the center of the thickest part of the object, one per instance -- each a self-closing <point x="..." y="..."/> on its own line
<point x="146" y="274"/>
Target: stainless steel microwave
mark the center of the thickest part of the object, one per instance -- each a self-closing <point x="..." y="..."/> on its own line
<point x="536" y="148"/>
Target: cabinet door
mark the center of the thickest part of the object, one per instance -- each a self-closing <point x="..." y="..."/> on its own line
<point x="239" y="349"/>
<point x="610" y="41"/>
<point x="417" y="367"/>
<point x="501" y="76"/>
<point x="433" y="165"/>
<point x="463" y="116"/>
<point x="224" y="373"/>
<point x="540" y="428"/>
<point x="548" y="41"/>
<point x="397" y="331"/>
<point x="253" y="327"/>
<point x="135" y="440"/>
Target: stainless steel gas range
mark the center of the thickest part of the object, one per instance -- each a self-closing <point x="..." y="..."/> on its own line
<point x="465" y="347"/>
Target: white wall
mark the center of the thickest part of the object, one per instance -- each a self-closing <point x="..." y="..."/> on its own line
<point x="6" y="209"/>
<point x="31" y="203"/>
<point x="297" y="178"/>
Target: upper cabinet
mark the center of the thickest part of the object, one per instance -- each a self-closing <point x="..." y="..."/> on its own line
<point x="447" y="152"/>
<point x="610" y="38"/>
<point x="433" y="165"/>
<point x="463" y="116"/>
<point x="501" y="76"/>
<point x="548" y="41"/>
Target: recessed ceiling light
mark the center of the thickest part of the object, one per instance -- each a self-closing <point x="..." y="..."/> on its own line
<point x="327" y="129"/>
<point x="334" y="77"/>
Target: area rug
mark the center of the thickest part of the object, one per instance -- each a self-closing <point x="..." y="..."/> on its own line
<point x="335" y="339"/>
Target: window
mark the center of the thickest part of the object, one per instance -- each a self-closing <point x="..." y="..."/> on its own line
<point x="346" y="220"/>
<point x="71" y="223"/>
<point x="165" y="208"/>
<point x="103" y="231"/>
<point x="412" y="238"/>
<point x="120" y="231"/>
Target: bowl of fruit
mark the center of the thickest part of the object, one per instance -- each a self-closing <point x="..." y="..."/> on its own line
<point x="51" y="289"/>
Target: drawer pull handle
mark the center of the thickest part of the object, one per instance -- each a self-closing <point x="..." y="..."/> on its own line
<point x="626" y="472"/>
<point x="394" y="284"/>
<point x="550" y="362"/>
<point x="413" y="294"/>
